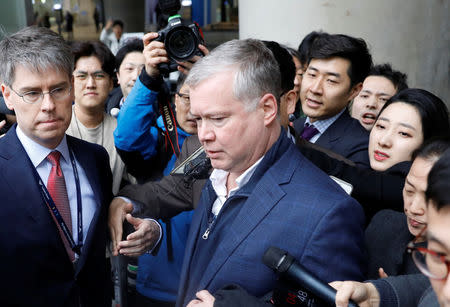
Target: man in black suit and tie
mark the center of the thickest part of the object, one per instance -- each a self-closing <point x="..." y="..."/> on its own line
<point x="55" y="189"/>
<point x="337" y="67"/>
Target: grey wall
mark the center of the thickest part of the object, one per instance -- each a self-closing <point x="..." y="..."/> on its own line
<point x="15" y="14"/>
<point x="413" y="35"/>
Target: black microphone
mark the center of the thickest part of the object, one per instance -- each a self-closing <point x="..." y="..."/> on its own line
<point x="286" y="265"/>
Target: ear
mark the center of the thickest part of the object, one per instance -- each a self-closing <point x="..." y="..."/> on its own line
<point x="6" y="91"/>
<point x="177" y="101"/>
<point x="118" y="77"/>
<point x="111" y="84"/>
<point x="270" y="107"/>
<point x="355" y="90"/>
<point x="291" y="100"/>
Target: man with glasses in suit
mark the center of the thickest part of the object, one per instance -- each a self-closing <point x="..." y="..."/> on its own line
<point x="55" y="189"/>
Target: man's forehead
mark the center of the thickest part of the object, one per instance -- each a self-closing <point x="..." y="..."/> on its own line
<point x="330" y="65"/>
<point x="88" y="63"/>
<point x="133" y="57"/>
<point x="25" y="76"/>
<point x="378" y="84"/>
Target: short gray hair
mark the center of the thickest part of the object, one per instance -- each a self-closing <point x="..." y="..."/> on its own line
<point x="256" y="70"/>
<point x="37" y="49"/>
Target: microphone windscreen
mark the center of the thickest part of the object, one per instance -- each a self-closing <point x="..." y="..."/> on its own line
<point x="272" y="257"/>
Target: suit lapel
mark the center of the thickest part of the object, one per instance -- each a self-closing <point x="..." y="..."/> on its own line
<point x="265" y="195"/>
<point x="17" y="171"/>
<point x="334" y="132"/>
<point x="86" y="161"/>
<point x="299" y="125"/>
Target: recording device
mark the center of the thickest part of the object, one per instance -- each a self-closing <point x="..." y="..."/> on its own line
<point x="181" y="39"/>
<point x="313" y="292"/>
<point x="196" y="166"/>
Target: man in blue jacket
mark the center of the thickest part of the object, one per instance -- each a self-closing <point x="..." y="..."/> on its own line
<point x="143" y="143"/>
<point x="262" y="191"/>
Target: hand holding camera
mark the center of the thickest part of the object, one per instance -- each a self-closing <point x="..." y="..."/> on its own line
<point x="181" y="41"/>
<point x="155" y="54"/>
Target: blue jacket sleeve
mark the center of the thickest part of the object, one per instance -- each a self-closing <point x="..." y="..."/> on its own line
<point x="136" y="129"/>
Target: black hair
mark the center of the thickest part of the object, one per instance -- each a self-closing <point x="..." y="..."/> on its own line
<point x="131" y="45"/>
<point x="180" y="81"/>
<point x="432" y="110"/>
<point x="438" y="189"/>
<point x="285" y="64"/>
<point x="118" y="22"/>
<point x="294" y="53"/>
<point x="305" y="45"/>
<point x="97" y="49"/>
<point x="432" y="148"/>
<point x="397" y="78"/>
<point x="355" y="50"/>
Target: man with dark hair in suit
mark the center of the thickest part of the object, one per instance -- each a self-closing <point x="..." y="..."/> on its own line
<point x="336" y="69"/>
<point x="55" y="189"/>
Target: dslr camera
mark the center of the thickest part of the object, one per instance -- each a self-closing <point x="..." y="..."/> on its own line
<point x="180" y="38"/>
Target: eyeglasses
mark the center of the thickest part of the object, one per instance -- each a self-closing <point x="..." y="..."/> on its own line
<point x="184" y="98"/>
<point x="57" y="94"/>
<point x="429" y="262"/>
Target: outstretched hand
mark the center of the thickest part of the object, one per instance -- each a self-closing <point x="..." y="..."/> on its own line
<point x="118" y="210"/>
<point x="145" y="237"/>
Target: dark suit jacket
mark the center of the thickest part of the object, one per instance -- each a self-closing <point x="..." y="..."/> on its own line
<point x="36" y="270"/>
<point x="372" y="189"/>
<point x="345" y="136"/>
<point x="386" y="238"/>
<point x="113" y="100"/>
<point x="288" y="203"/>
<point x="406" y="290"/>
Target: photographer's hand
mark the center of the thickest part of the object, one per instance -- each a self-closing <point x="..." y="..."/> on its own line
<point x="118" y="209"/>
<point x="184" y="67"/>
<point x="154" y="54"/>
<point x="145" y="237"/>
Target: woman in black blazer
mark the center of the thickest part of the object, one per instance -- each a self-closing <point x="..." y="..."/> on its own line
<point x="406" y="121"/>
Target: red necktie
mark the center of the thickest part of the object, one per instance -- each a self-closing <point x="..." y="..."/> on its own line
<point x="56" y="186"/>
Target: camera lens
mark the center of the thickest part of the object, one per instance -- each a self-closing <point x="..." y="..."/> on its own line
<point x="181" y="44"/>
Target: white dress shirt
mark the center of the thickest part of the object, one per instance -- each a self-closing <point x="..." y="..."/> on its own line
<point x="38" y="156"/>
<point x="219" y="183"/>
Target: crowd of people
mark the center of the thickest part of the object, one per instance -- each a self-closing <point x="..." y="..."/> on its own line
<point x="315" y="150"/>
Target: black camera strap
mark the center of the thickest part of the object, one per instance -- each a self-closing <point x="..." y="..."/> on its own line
<point x="170" y="121"/>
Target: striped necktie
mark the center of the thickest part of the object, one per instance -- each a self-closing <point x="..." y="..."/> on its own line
<point x="56" y="186"/>
<point x="309" y="131"/>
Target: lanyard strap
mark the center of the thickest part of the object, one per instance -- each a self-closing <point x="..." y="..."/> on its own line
<point x="51" y="205"/>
